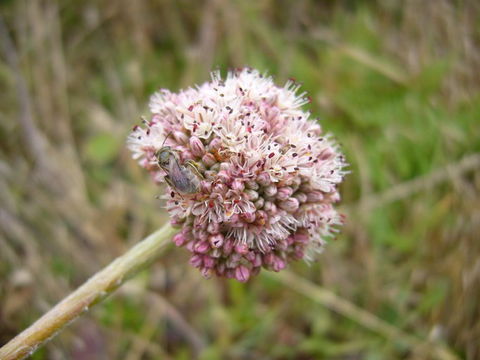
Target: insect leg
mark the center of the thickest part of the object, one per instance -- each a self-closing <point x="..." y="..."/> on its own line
<point x="169" y="183"/>
<point x="194" y="167"/>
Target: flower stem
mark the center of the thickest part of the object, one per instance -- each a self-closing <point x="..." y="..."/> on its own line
<point x="97" y="288"/>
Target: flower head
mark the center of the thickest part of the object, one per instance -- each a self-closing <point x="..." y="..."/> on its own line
<point x="262" y="176"/>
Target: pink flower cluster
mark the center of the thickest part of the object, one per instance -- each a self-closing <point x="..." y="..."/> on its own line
<point x="267" y="175"/>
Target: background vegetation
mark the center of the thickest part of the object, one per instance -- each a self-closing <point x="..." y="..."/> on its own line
<point x="397" y="82"/>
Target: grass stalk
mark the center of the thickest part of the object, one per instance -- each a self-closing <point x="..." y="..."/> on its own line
<point x="97" y="288"/>
<point x="359" y="315"/>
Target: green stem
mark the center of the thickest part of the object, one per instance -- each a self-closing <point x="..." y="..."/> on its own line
<point x="97" y="288"/>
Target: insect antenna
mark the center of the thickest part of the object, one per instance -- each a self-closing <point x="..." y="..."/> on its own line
<point x="164" y="140"/>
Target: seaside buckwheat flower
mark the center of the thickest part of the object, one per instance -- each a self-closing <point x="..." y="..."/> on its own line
<point x="264" y="176"/>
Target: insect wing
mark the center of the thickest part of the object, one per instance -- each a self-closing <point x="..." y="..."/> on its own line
<point x="180" y="178"/>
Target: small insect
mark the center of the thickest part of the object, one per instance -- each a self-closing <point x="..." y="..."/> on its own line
<point x="183" y="177"/>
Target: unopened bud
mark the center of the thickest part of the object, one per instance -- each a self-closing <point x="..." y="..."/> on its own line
<point x="270" y="207"/>
<point x="208" y="262"/>
<point x="259" y="203"/>
<point x="301" y="197"/>
<point x="208" y="159"/>
<point x="179" y="239"/>
<point x="270" y="190"/>
<point x="202" y="247"/>
<point x="253" y="185"/>
<point x="215" y="144"/>
<point x="228" y="247"/>
<point x="196" y="146"/>
<point x="284" y="193"/>
<point x="213" y="227"/>
<point x="237" y="184"/>
<point x="196" y="260"/>
<point x="242" y="273"/>
<point x="291" y="205"/>
<point x="216" y="240"/>
<point x="180" y="136"/>
<point x="241" y="249"/>
<point x="264" y="179"/>
<point x="314" y="196"/>
<point x="252" y="195"/>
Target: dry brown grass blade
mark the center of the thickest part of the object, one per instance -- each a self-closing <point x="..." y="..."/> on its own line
<point x="192" y="336"/>
<point x="138" y="346"/>
<point x="152" y="349"/>
<point x="159" y="308"/>
<point x="357" y="314"/>
<point x="467" y="163"/>
<point x="34" y="141"/>
<point x="91" y="292"/>
<point x="388" y="70"/>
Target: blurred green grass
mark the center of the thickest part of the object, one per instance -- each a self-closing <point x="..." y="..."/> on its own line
<point x="398" y="85"/>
